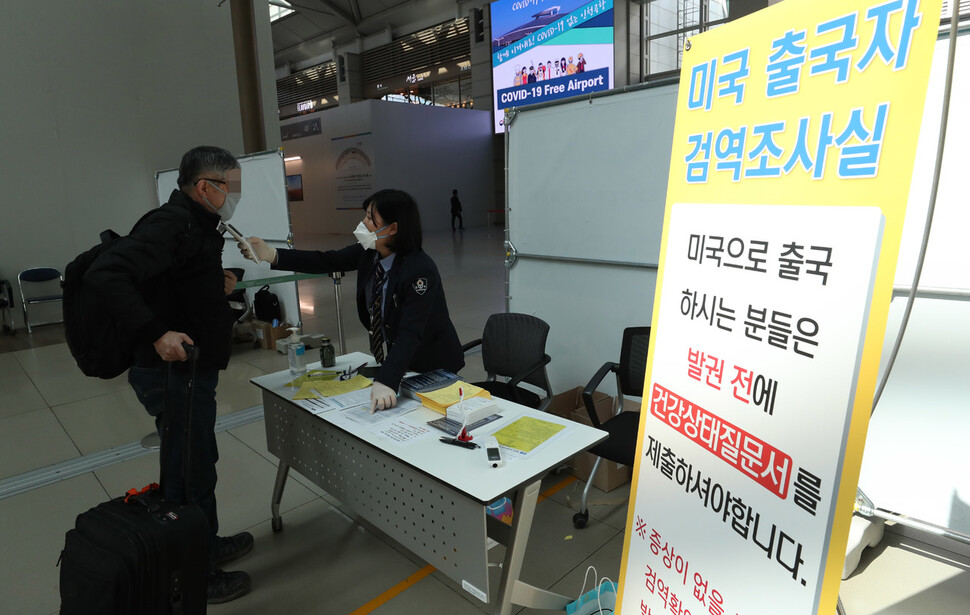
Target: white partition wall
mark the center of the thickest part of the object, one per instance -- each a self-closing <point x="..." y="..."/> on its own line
<point x="915" y="461"/>
<point x="587" y="182"/>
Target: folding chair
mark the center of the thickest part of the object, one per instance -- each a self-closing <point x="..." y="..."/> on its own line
<point x="40" y="285"/>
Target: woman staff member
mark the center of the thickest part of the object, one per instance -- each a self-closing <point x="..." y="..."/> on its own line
<point x="400" y="299"/>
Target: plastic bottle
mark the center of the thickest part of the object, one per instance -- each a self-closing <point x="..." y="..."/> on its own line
<point x="296" y="352"/>
<point x="328" y="356"/>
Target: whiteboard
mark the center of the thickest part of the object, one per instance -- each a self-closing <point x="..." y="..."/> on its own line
<point x="263" y="211"/>
<point x="588" y="178"/>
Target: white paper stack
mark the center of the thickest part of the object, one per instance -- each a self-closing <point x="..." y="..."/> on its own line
<point x="475" y="408"/>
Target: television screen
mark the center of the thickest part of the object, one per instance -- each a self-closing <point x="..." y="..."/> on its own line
<point x="546" y="50"/>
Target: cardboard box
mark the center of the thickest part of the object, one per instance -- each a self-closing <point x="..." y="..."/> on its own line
<point x="267" y="334"/>
<point x="569" y="405"/>
<point x="564" y="404"/>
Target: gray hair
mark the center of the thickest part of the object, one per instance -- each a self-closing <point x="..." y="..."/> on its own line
<point x="204" y="160"/>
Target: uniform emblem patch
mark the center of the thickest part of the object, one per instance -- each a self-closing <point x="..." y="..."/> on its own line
<point x="421" y="285"/>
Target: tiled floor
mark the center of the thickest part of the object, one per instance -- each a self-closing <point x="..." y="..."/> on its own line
<point x="325" y="562"/>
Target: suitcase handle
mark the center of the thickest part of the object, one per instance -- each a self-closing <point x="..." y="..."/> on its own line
<point x="133" y="493"/>
<point x="193" y="357"/>
<point x="143" y="498"/>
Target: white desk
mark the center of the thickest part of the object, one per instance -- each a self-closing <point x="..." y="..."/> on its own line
<point x="428" y="496"/>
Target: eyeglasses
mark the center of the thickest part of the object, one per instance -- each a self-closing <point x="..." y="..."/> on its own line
<point x="210" y="179"/>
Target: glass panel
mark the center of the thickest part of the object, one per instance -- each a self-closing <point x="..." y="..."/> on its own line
<point x="664" y="53"/>
<point x="668" y="15"/>
<point x="277" y="12"/>
<point x="718" y="10"/>
<point x="465" y="86"/>
<point x="425" y="95"/>
<point x="446" y="94"/>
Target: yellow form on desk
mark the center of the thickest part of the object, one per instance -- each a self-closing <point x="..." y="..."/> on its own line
<point x="439" y="400"/>
<point x="313" y="389"/>
<point x="527" y="433"/>
<point x="313" y="374"/>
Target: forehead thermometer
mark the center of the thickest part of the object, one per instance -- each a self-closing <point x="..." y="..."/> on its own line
<point x="239" y="237"/>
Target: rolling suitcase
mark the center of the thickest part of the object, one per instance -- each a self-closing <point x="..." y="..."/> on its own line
<point x="139" y="554"/>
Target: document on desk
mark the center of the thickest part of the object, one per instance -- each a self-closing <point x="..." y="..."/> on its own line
<point x="402" y="431"/>
<point x="523" y="436"/>
<point x="352" y="399"/>
<point x="360" y="414"/>
<point x="331" y="388"/>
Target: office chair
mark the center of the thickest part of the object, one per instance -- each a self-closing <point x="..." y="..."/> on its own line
<point x="6" y="303"/>
<point x="40" y="285"/>
<point x="514" y="348"/>
<point x="623" y="427"/>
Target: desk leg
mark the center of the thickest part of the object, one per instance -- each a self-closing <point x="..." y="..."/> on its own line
<point x="281" y="473"/>
<point x="511" y="589"/>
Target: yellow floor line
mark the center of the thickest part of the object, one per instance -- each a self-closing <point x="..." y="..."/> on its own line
<point x="394" y="591"/>
<point x="420" y="574"/>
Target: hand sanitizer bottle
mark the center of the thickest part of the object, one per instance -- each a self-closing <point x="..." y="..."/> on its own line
<point x="296" y="352"/>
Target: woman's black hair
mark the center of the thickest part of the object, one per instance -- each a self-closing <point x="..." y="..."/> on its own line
<point x="398" y="206"/>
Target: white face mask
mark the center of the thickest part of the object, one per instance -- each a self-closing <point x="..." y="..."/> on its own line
<point x="228" y="206"/>
<point x="367" y="239"/>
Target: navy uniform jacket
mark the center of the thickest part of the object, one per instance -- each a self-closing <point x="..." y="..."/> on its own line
<point x="420" y="335"/>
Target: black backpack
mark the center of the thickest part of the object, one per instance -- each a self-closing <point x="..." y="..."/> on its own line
<point x="100" y="345"/>
<point x="266" y="305"/>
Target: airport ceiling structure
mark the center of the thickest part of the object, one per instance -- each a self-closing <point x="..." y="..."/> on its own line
<point x="316" y="27"/>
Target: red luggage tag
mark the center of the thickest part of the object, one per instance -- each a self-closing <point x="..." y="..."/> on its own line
<point x="136" y="492"/>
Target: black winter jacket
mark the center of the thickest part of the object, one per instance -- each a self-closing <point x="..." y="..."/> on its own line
<point x="167" y="275"/>
<point x="420" y="335"/>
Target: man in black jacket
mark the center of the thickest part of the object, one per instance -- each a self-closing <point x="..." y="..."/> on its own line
<point x="166" y="284"/>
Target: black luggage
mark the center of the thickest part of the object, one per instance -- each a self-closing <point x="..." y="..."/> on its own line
<point x="139" y="554"/>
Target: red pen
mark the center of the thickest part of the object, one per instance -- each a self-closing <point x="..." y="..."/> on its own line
<point x="463" y="434"/>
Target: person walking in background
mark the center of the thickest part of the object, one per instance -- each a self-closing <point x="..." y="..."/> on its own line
<point x="456" y="211"/>
<point x="176" y="254"/>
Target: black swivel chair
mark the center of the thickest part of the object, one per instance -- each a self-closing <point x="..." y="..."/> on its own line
<point x="623" y="427"/>
<point x="514" y="348"/>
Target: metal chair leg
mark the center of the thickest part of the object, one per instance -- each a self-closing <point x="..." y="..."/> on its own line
<point x="581" y="519"/>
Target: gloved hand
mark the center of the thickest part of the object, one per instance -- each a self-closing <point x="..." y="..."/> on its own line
<point x="382" y="397"/>
<point x="263" y="251"/>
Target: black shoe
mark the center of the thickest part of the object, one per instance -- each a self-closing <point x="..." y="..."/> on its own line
<point x="225" y="586"/>
<point x="227" y="548"/>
